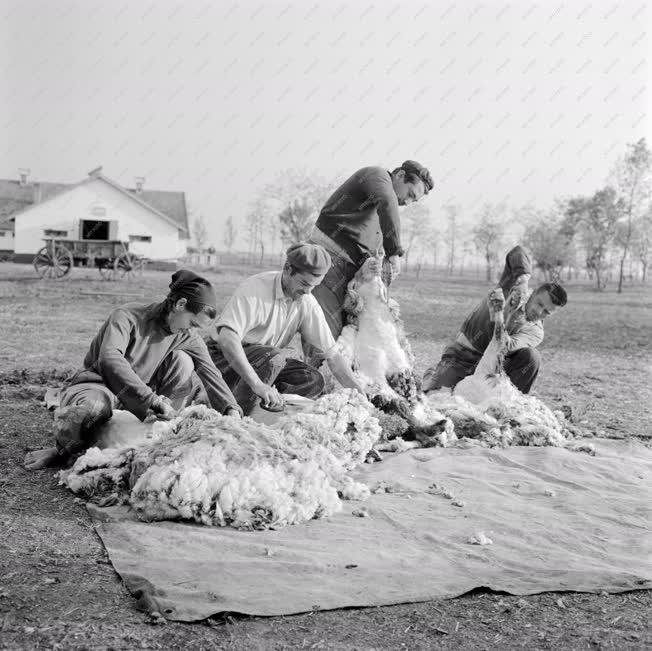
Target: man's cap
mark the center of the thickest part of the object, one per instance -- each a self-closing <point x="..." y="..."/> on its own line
<point x="310" y="258"/>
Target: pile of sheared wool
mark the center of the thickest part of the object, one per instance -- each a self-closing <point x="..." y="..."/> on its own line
<point x="488" y="408"/>
<point x="222" y="471"/>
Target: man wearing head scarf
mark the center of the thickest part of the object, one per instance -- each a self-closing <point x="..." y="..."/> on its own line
<point x="142" y="360"/>
<point x="260" y="320"/>
<point x="360" y="219"/>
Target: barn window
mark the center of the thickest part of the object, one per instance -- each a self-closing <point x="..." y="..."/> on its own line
<point x="140" y="238"/>
<point x="94" y="230"/>
<point x="51" y="232"/>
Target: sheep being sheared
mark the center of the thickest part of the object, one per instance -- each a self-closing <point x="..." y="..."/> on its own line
<point x="375" y="344"/>
<point x="218" y="470"/>
<point x="488" y="408"/>
<point x="485" y="406"/>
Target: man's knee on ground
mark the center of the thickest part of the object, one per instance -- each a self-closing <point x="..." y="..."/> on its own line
<point x="525" y="358"/>
<point x="522" y="367"/>
<point x="100" y="409"/>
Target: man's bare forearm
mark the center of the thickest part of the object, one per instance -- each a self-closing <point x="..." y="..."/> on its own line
<point x="343" y="373"/>
<point x="232" y="349"/>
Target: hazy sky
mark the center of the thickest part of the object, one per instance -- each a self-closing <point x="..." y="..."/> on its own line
<point x="515" y="101"/>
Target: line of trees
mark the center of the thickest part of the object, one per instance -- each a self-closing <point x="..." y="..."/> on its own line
<point x="610" y="230"/>
<point x="606" y="231"/>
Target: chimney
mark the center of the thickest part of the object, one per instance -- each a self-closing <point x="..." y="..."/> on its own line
<point x="36" y="194"/>
<point x="23" y="173"/>
<point x="139" y="184"/>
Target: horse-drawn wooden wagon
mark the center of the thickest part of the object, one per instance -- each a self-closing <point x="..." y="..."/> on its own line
<point x="112" y="258"/>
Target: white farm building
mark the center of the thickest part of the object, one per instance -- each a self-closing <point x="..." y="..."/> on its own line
<point x="151" y="223"/>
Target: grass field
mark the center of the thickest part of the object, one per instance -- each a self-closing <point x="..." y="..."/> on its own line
<point x="57" y="589"/>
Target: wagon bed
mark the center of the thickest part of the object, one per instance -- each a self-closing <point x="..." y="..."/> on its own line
<point x="112" y="258"/>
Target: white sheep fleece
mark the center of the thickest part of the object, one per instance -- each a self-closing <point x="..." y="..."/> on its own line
<point x="375" y="346"/>
<point x="488" y="408"/>
<point x="222" y="471"/>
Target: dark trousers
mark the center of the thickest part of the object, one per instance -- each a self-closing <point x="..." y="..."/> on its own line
<point x="457" y="362"/>
<point x="330" y="293"/>
<point x="274" y="366"/>
<point x="90" y="404"/>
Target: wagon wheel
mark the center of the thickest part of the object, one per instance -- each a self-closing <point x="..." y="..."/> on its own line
<point x="126" y="267"/>
<point x="53" y="262"/>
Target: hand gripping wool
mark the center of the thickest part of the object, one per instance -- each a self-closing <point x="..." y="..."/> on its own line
<point x="375" y="344"/>
<point x="222" y="471"/>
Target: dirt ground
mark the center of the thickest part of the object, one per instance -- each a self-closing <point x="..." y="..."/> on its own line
<point x="59" y="591"/>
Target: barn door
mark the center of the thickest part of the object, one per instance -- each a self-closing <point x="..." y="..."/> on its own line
<point x="113" y="230"/>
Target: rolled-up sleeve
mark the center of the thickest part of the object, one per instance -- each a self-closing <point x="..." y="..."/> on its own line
<point x="381" y="192"/>
<point x="239" y="315"/>
<point x="218" y="392"/>
<point x="524" y="335"/>
<point x="314" y="329"/>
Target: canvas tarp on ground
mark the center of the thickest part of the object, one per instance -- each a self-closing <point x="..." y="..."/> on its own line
<point x="559" y="520"/>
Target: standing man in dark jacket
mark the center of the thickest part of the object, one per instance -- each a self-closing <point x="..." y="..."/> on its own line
<point x="359" y="219"/>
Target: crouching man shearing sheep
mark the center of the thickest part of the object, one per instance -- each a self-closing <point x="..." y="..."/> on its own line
<point x="256" y="327"/>
<point x="142" y="360"/>
<point x="524" y="311"/>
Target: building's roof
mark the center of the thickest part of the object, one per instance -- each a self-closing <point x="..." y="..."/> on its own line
<point x="15" y="198"/>
<point x="6" y="224"/>
<point x="172" y="204"/>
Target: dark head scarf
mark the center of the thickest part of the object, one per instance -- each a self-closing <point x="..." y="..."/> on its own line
<point x="195" y="289"/>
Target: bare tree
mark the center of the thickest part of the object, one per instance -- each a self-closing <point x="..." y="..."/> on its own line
<point x="548" y="243"/>
<point x="467" y="248"/>
<point x="642" y="241"/>
<point x="255" y="236"/>
<point x="488" y="235"/>
<point x="595" y="218"/>
<point x="431" y="240"/>
<point x="451" y="236"/>
<point x="632" y="181"/>
<point x="296" y="222"/>
<point x="229" y="233"/>
<point x="289" y="205"/>
<point x="415" y="220"/>
<point x="200" y="231"/>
